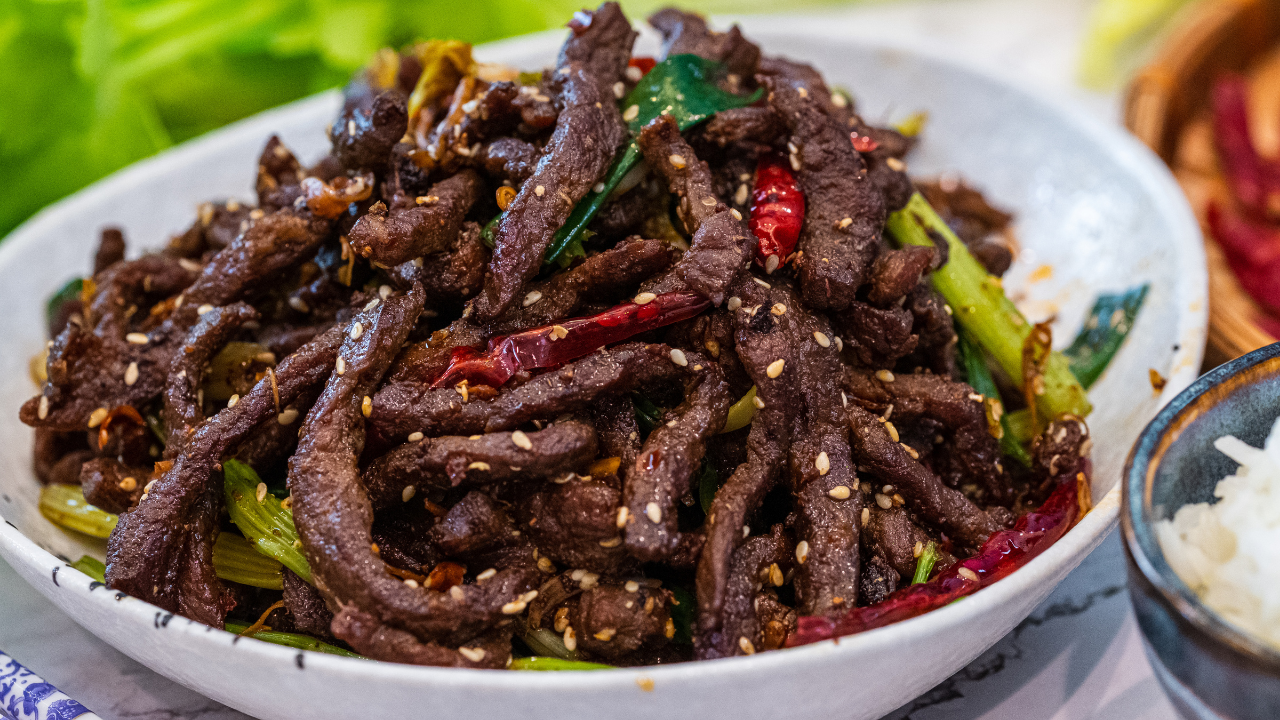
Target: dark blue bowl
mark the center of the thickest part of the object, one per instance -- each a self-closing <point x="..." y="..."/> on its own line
<point x="1210" y="669"/>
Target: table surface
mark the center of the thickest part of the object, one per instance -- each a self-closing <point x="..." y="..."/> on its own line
<point x="1077" y="657"/>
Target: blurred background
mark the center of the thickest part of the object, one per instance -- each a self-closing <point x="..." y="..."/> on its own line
<point x="89" y="86"/>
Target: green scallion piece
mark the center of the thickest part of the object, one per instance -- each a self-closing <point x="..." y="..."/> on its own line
<point x="65" y="506"/>
<point x="266" y="524"/>
<point x="547" y="664"/>
<point x="924" y="564"/>
<point x="293" y="640"/>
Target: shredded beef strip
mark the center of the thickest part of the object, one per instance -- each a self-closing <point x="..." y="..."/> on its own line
<point x="687" y="33"/>
<point x="760" y="340"/>
<point x="451" y="461"/>
<point x="272" y="244"/>
<point x="892" y="535"/>
<point x="588" y="133"/>
<point x="402" y="408"/>
<point x="937" y="504"/>
<point x="741" y="631"/>
<point x="423" y="362"/>
<point x="878" y="337"/>
<point x="162" y="550"/>
<point x="722" y="245"/>
<point x="754" y="126"/>
<point x="509" y="158"/>
<point x="451" y="276"/>
<point x="895" y="273"/>
<point x="613" y="623"/>
<point x="974" y="453"/>
<point x="828" y="507"/>
<point x="614" y="419"/>
<point x="429" y="225"/>
<point x="661" y="473"/>
<point x="110" y="249"/>
<point x="183" y="399"/>
<point x="844" y="212"/>
<point x="375" y="612"/>
<point x="574" y="523"/>
<point x="305" y="605"/>
<point x="932" y="324"/>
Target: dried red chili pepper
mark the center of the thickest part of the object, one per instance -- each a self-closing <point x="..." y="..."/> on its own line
<point x="863" y="143"/>
<point x="554" y="345"/>
<point x="1254" y="179"/>
<point x="1001" y="554"/>
<point x="644" y="63"/>
<point x="777" y="211"/>
<point x="1253" y="252"/>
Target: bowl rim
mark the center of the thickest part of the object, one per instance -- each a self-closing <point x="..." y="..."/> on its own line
<point x="1137" y="515"/>
<point x="1129" y="155"/>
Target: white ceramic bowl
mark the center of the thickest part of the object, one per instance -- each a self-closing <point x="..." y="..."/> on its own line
<point x="1091" y="203"/>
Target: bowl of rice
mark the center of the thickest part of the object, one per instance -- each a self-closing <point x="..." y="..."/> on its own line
<point x="1201" y="524"/>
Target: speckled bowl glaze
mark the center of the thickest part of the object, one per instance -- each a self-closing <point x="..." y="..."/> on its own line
<point x="1210" y="669"/>
<point x="1092" y="204"/>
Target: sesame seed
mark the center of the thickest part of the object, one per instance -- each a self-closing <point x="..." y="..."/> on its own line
<point x="533" y="297"/>
<point x="136" y="338"/>
<point x="802" y="551"/>
<point x="919" y="548"/>
<point x="287" y="417"/>
<point x="839" y="492"/>
<point x="351" y="130"/>
<point x="619" y="89"/>
<point x="131" y="374"/>
<point x="529" y="596"/>
<point x="366" y="406"/>
<point x="844" y="399"/>
<point x="644" y="298"/>
<point x="740" y="197"/>
<point x="539" y="191"/>
<point x="147" y="488"/>
<point x="883" y="501"/>
<point x="371" y="304"/>
<point x="893" y="431"/>
<point x="231" y="401"/>
<point x="896" y="165"/>
<point x="775" y="575"/>
<point x="598" y="188"/>
<point x="775" y="368"/>
<point x="761" y="283"/>
<point x="845" y="223"/>
<point x="415" y="436"/>
<point x="884" y="376"/>
<point x="479" y="465"/>
<point x="634" y="74"/>
<point x="261" y="492"/>
<point x="746" y="530"/>
<point x="709" y="201"/>
<point x="486" y="574"/>
<point x="823" y="464"/>
<point x="97" y="416"/>
<point x="521" y="440"/>
<point x="606" y="634"/>
<point x="821" y="338"/>
<point x="128" y="484"/>
<point x="778" y="308"/>
<point x="356" y="331"/>
<point x="577" y="575"/>
<point x="802" y="92"/>
<point x="757" y="402"/>
<point x="677" y="161"/>
<point x="407" y="494"/>
<point x="631" y="586"/>
<point x="559" y="332"/>
<point x="838" y="100"/>
<point x="839" y="344"/>
<point x="206" y="308"/>
<point x="866" y="515"/>
<point x="570" y="639"/>
<point x="977" y="397"/>
<point x="340" y="365"/>
<point x="653" y="512"/>
<point x="734" y="212"/>
<point x="612" y="542"/>
<point x="42" y="410"/>
<point x="967" y="574"/>
<point x="631" y="113"/>
<point x="747" y="646"/>
<point x="886" y="489"/>
<point x="545" y="565"/>
<point x="622" y="517"/>
<point x="472" y="654"/>
<point x="645" y="684"/>
<point x="589" y="580"/>
<point x="795" y="163"/>
<point x="456" y="593"/>
<point x="514" y="608"/>
<point x="734" y="303"/>
<point x="677" y="357"/>
<point x="911" y="451"/>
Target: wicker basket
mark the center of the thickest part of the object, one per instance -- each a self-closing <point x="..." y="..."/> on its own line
<point x="1167" y="108"/>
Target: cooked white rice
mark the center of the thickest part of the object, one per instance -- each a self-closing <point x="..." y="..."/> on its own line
<point x="1229" y="552"/>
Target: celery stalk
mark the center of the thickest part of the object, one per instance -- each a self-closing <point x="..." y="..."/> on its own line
<point x="293" y="640"/>
<point x="741" y="413"/>
<point x="92" y="567"/>
<point x="238" y="560"/>
<point x="553" y="663"/>
<point x="267" y="524"/>
<point x="982" y="309"/>
<point x="65" y="506"/>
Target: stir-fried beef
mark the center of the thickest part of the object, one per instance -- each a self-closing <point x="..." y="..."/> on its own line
<point x="653" y="441"/>
<point x="844" y="212"/>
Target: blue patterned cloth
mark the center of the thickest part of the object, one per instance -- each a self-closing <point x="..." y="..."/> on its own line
<point x="24" y="696"/>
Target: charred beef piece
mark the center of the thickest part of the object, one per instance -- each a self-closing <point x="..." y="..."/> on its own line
<point x="687" y="33"/>
<point x="722" y="245"/>
<point x="974" y="220"/>
<point x="932" y="324"/>
<point x="879" y="580"/>
<point x="588" y="132"/>
<point x="279" y="175"/>
<point x="612" y="622"/>
<point x="878" y="336"/>
<point x="146" y="557"/>
<point x="1062" y="449"/>
<point x="445" y="462"/>
<point x="110" y="250"/>
<point x="844" y="212"/>
<point x="885" y="170"/>
<point x="402" y="408"/>
<point x="57" y="457"/>
<point x="363" y="136"/>
<point x="246" y="267"/>
<point x="661" y="473"/>
<point x="111" y="486"/>
<point x="304" y="603"/>
<point x="758" y="127"/>
<point x="430" y="225"/>
<point x="935" y="503"/>
<point x="183" y="399"/>
<point x="614" y="419"/>
<point x="892" y="536"/>
<point x="573" y="521"/>
<point x="452" y="276"/>
<point x="741" y="630"/>
<point x="895" y="273"/>
<point x="510" y="159"/>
